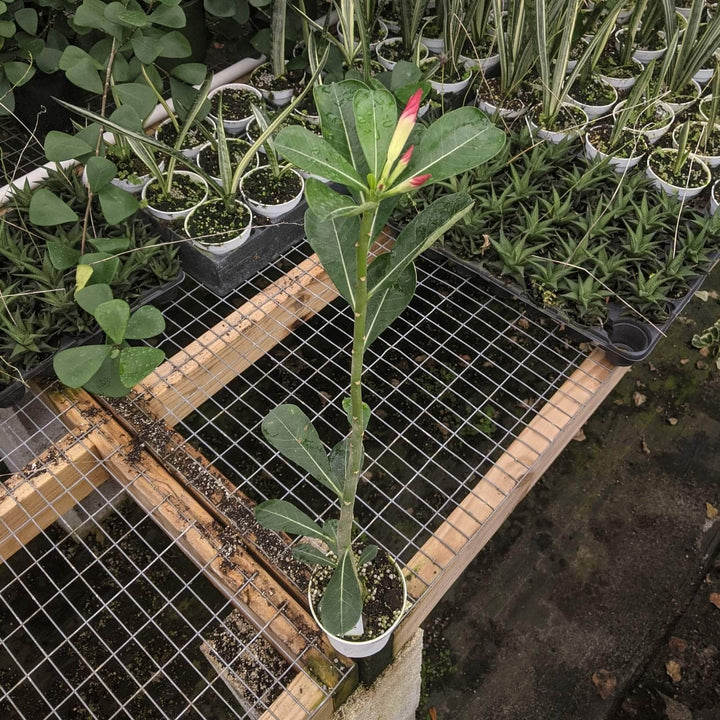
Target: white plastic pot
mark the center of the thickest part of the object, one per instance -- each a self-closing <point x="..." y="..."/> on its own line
<point x="621" y="83"/>
<point x="487" y="107"/>
<point x="594" y="111"/>
<point x="235" y="126"/>
<point x="272" y="212"/>
<point x="714" y="204"/>
<point x="218" y="248"/>
<point x="709" y="160"/>
<point x="206" y="147"/>
<point x="190" y="152"/>
<point x="556" y="136"/>
<point x="390" y="64"/>
<point x="679" y="107"/>
<point x="363" y="648"/>
<point x="177" y="214"/>
<point x="654" y="134"/>
<point x="620" y="164"/>
<point x="484" y="65"/>
<point x="451" y="87"/>
<point x="678" y="191"/>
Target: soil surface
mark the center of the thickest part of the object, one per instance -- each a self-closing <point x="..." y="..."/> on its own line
<point x="600" y="596"/>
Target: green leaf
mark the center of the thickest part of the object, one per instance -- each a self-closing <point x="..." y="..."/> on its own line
<point x="61" y="146"/>
<point x="387" y="304"/>
<point x="89" y="297"/>
<point x="91" y="14"/>
<point x="47" y="209"/>
<point x="27" y="19"/>
<point x="458" y="141"/>
<point x="85" y="76"/>
<point x="132" y="18"/>
<point x="326" y="203"/>
<point x="190" y="73"/>
<point x="285" y="517"/>
<point x="145" y="322"/>
<point x="367" y="555"/>
<point x="62" y="256"/>
<point x="335" y="105"/>
<point x="289" y="429"/>
<point x="146" y="49"/>
<point x="83" y="273"/>
<point x="416" y="237"/>
<point x="48" y="61"/>
<point x="168" y="16"/>
<point x="110" y="245"/>
<point x="334" y="242"/>
<point x="117" y="204"/>
<point x="104" y="266"/>
<point x="347" y="407"/>
<point x="341" y="604"/>
<point x="174" y="45"/>
<point x="18" y="73"/>
<point x="375" y="120"/>
<point x="75" y="366"/>
<point x="113" y="316"/>
<point x="136" y="363"/>
<point x="138" y="95"/>
<point x="329" y="527"/>
<point x="310" y="555"/>
<point x="106" y="381"/>
<point x="7" y="29"/>
<point x="100" y="171"/>
<point x="338" y="461"/>
<point x="313" y="154"/>
<point x="221" y="8"/>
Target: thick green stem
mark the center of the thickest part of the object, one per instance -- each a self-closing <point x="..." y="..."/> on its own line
<point x="354" y="463"/>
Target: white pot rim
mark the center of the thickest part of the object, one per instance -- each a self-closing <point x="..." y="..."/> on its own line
<point x="177" y="214"/>
<point x="234" y="125"/>
<point x="364" y="648"/>
<point x="268" y="210"/>
<point x="219" y="248"/>
<point x="678" y="190"/>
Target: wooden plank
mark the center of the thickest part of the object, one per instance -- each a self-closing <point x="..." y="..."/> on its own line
<point x="224" y="562"/>
<point x="186" y="380"/>
<point x="33" y="499"/>
<point x="301" y="697"/>
<point x="443" y="558"/>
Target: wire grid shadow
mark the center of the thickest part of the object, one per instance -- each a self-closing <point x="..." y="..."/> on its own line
<point x="102" y="615"/>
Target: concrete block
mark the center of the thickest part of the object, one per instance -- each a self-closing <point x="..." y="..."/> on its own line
<point x="395" y="695"/>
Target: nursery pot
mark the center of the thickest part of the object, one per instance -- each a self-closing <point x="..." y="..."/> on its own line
<point x="268" y="210"/>
<point x="651" y="134"/>
<point x="193" y="149"/>
<point x="278" y="97"/>
<point x="385" y="60"/>
<point x="222" y="247"/>
<point x="556" y="136"/>
<point x="681" y="192"/>
<point x="234" y="125"/>
<point x="679" y="107"/>
<point x="483" y="64"/>
<point x="442" y="87"/>
<point x="620" y="164"/>
<point x="362" y="648"/>
<point x="714" y="203"/>
<point x="491" y="109"/>
<point x="594" y="111"/>
<point x="710" y="160"/>
<point x="621" y="83"/>
<point x="176" y="214"/>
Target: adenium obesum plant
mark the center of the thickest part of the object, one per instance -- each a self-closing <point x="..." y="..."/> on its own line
<point x="377" y="157"/>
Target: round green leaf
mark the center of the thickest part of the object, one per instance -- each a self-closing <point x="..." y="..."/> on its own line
<point x="27" y="19"/>
<point x="48" y="209"/>
<point x="75" y="366"/>
<point x="146" y="49"/>
<point x="113" y="316"/>
<point x="106" y="381"/>
<point x="111" y="245"/>
<point x="91" y="14"/>
<point x="100" y="171"/>
<point x="146" y="322"/>
<point x="62" y="256"/>
<point x="221" y="8"/>
<point x="7" y="28"/>
<point x="136" y="363"/>
<point x="174" y="45"/>
<point x="88" y="298"/>
<point x="48" y="61"/>
<point x="18" y="73"/>
<point x="117" y="204"/>
<point x="190" y="73"/>
<point x="61" y="146"/>
<point x="168" y="16"/>
<point x="85" y="76"/>
<point x="138" y="95"/>
<point x="103" y="266"/>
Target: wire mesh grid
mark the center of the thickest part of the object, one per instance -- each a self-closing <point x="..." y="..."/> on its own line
<point x="112" y="620"/>
<point x="103" y="616"/>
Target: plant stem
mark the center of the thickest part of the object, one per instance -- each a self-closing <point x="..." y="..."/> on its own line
<point x="355" y="453"/>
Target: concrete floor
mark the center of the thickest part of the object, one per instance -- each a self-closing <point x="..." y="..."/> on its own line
<point x="571" y="610"/>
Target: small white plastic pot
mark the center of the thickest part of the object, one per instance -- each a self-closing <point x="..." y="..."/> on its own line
<point x="218" y="248"/>
<point x="484" y="65"/>
<point x="272" y="212"/>
<point x="363" y="648"/>
<point x="390" y="64"/>
<point x="190" y="152"/>
<point x="709" y="160"/>
<point x="678" y="107"/>
<point x="206" y="147"/>
<point x="490" y="109"/>
<point x="640" y="55"/>
<point x="451" y="87"/>
<point x="703" y="76"/>
<point x="594" y="111"/>
<point x="654" y="134"/>
<point x="236" y="125"/>
<point x="177" y="214"/>
<point x="621" y="83"/>
<point x="714" y="204"/>
<point x="556" y="136"/>
<point x="123" y="184"/>
<point x="678" y="191"/>
<point x="620" y="164"/>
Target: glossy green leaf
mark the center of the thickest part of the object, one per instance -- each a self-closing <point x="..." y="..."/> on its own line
<point x="61" y="146"/>
<point x="110" y="245"/>
<point x="62" y="256"/>
<point x="289" y="429"/>
<point x="113" y="316"/>
<point x="334" y="242"/>
<point x="75" y="366"/>
<point x="375" y="120"/>
<point x="91" y="14"/>
<point x="48" y="60"/>
<point x="335" y="105"/>
<point x="325" y="202"/>
<point x="174" y="45"/>
<point x="387" y="304"/>
<point x="136" y="363"/>
<point x="48" y="209"/>
<point x="85" y="76"/>
<point x="72" y="55"/>
<point x="313" y="154"/>
<point x="168" y="16"/>
<point x="285" y="517"/>
<point x="367" y="555"/>
<point x="145" y="322"/>
<point x="458" y="141"/>
<point x="27" y="19"/>
<point x="341" y="604"/>
<point x="106" y="381"/>
<point x="416" y="237"/>
<point x="104" y="266"/>
<point x="310" y="555"/>
<point x="117" y="204"/>
<point x="89" y="297"/>
<point x="138" y="96"/>
<point x="100" y="171"/>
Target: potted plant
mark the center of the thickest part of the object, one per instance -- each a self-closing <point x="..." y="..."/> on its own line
<point x="408" y="45"/>
<point x="357" y="116"/>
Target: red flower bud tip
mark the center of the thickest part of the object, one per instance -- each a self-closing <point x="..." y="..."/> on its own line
<point x="405" y="159"/>
<point x="419" y="180"/>
<point x="413" y="105"/>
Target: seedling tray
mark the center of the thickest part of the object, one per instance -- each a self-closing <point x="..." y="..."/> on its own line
<point x="626" y="338"/>
<point x="161" y="295"/>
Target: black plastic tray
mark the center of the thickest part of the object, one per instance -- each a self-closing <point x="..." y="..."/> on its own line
<point x="13" y="393"/>
<point x="625" y="338"/>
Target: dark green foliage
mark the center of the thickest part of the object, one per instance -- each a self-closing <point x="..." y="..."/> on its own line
<point x="37" y="273"/>
<point x="575" y="236"/>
